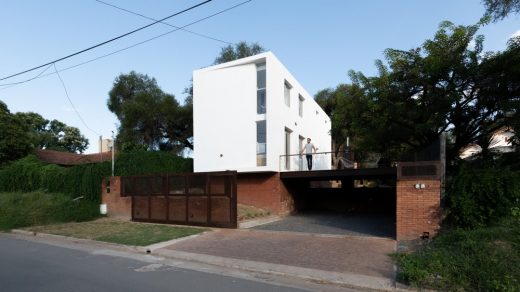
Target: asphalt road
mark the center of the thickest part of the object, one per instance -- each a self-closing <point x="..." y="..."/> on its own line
<point x="27" y="265"/>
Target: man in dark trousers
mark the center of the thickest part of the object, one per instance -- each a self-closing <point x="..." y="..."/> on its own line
<point x="309" y="149"/>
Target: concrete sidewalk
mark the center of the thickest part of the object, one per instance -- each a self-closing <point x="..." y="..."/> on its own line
<point x="359" y="262"/>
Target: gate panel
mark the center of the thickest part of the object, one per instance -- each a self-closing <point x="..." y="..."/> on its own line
<point x="177" y="209"/>
<point x="205" y="199"/>
<point x="158" y="207"/>
<point x="140" y="207"/>
<point x="198" y="209"/>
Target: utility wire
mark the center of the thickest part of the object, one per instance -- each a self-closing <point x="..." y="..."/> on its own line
<point x="70" y="101"/>
<point x="142" y="42"/>
<point x="27" y="80"/>
<point x="165" y="23"/>
<point x="106" y="42"/>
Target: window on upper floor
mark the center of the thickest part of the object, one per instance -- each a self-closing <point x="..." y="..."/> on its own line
<point x="287" y="93"/>
<point x="260" y="89"/>
<point x="300" y="105"/>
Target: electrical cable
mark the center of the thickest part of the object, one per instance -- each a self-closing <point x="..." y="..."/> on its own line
<point x="70" y="101"/>
<point x="106" y="42"/>
<point x="140" y="43"/>
<point x="27" y="80"/>
<point x="165" y="23"/>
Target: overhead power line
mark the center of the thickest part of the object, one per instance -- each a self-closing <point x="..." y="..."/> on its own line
<point x="129" y="47"/>
<point x="70" y="101"/>
<point x="27" y="80"/>
<point x="110" y="40"/>
<point x="165" y="23"/>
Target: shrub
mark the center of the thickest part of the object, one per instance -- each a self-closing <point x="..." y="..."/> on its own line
<point x="482" y="259"/>
<point x="39" y="208"/>
<point x="481" y="194"/>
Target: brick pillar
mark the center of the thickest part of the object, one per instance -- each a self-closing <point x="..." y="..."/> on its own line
<point x="117" y="206"/>
<point x="418" y="209"/>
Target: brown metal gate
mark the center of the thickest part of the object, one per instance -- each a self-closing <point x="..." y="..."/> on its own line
<point x="203" y="199"/>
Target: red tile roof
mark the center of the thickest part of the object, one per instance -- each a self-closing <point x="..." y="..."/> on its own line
<point x="66" y="158"/>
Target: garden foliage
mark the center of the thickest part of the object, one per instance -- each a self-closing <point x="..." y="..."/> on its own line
<point x="30" y="174"/>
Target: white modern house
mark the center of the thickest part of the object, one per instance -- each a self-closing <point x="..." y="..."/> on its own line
<point x="252" y="115"/>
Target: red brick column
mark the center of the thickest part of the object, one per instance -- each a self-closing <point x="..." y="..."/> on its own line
<point x="418" y="208"/>
<point x="117" y="206"/>
<point x="266" y="191"/>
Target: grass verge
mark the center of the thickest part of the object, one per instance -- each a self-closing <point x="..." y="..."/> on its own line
<point x="120" y="232"/>
<point x="39" y="207"/>
<point x="482" y="259"/>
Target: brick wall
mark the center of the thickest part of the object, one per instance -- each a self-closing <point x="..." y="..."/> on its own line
<point x="266" y="191"/>
<point x="418" y="210"/>
<point x="117" y="206"/>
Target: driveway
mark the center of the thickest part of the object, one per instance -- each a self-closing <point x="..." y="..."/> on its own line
<point x="357" y="224"/>
<point x="342" y="254"/>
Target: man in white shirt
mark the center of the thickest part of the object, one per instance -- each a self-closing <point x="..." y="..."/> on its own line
<point x="309" y="148"/>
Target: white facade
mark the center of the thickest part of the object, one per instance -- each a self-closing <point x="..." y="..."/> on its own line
<point x="226" y="118"/>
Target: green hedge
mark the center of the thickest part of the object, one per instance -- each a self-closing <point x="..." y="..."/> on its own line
<point x="482" y="194"/>
<point x="39" y="208"/>
<point x="30" y="174"/>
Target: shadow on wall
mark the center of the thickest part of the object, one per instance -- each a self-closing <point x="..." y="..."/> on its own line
<point x="356" y="200"/>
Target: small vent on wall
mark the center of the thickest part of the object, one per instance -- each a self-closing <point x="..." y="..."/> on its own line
<point x="416" y="170"/>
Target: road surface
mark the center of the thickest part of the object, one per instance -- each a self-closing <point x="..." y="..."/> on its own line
<point x="29" y="265"/>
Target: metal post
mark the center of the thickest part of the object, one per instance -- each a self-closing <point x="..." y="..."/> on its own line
<point x="113" y="146"/>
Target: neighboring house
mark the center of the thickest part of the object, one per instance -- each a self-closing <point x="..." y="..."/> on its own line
<point x="251" y="114"/>
<point x="71" y="159"/>
<point x="500" y="143"/>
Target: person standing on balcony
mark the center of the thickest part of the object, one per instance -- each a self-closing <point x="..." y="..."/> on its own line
<point x="309" y="149"/>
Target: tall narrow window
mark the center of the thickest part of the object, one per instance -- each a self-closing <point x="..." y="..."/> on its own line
<point x="287" y="148"/>
<point x="261" y="149"/>
<point x="301" y="142"/>
<point x="287" y="93"/>
<point x="260" y="89"/>
<point x="300" y="105"/>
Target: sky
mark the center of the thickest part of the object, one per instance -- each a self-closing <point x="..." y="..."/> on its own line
<point x="317" y="41"/>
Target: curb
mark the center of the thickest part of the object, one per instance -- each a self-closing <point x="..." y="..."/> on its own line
<point x="345" y="279"/>
<point x="100" y="244"/>
<point x="153" y="247"/>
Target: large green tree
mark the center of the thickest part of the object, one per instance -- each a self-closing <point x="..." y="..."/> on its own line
<point x="149" y="117"/>
<point x="15" y="141"/>
<point x="446" y="85"/>
<point x="53" y="135"/>
<point x="23" y="132"/>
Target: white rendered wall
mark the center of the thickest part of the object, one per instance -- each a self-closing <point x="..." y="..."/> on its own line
<point x="224" y="118"/>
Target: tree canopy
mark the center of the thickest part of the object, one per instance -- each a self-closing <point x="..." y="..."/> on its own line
<point x="447" y="85"/>
<point x="149" y="117"/>
<point x="23" y="132"/>
<point x="238" y="51"/>
<point x="500" y="9"/>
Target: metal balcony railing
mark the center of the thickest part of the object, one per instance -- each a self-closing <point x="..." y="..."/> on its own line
<point x="323" y="161"/>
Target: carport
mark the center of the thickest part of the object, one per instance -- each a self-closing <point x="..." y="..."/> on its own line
<point x="359" y="202"/>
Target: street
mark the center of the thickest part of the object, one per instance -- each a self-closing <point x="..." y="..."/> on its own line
<point x="28" y="265"/>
